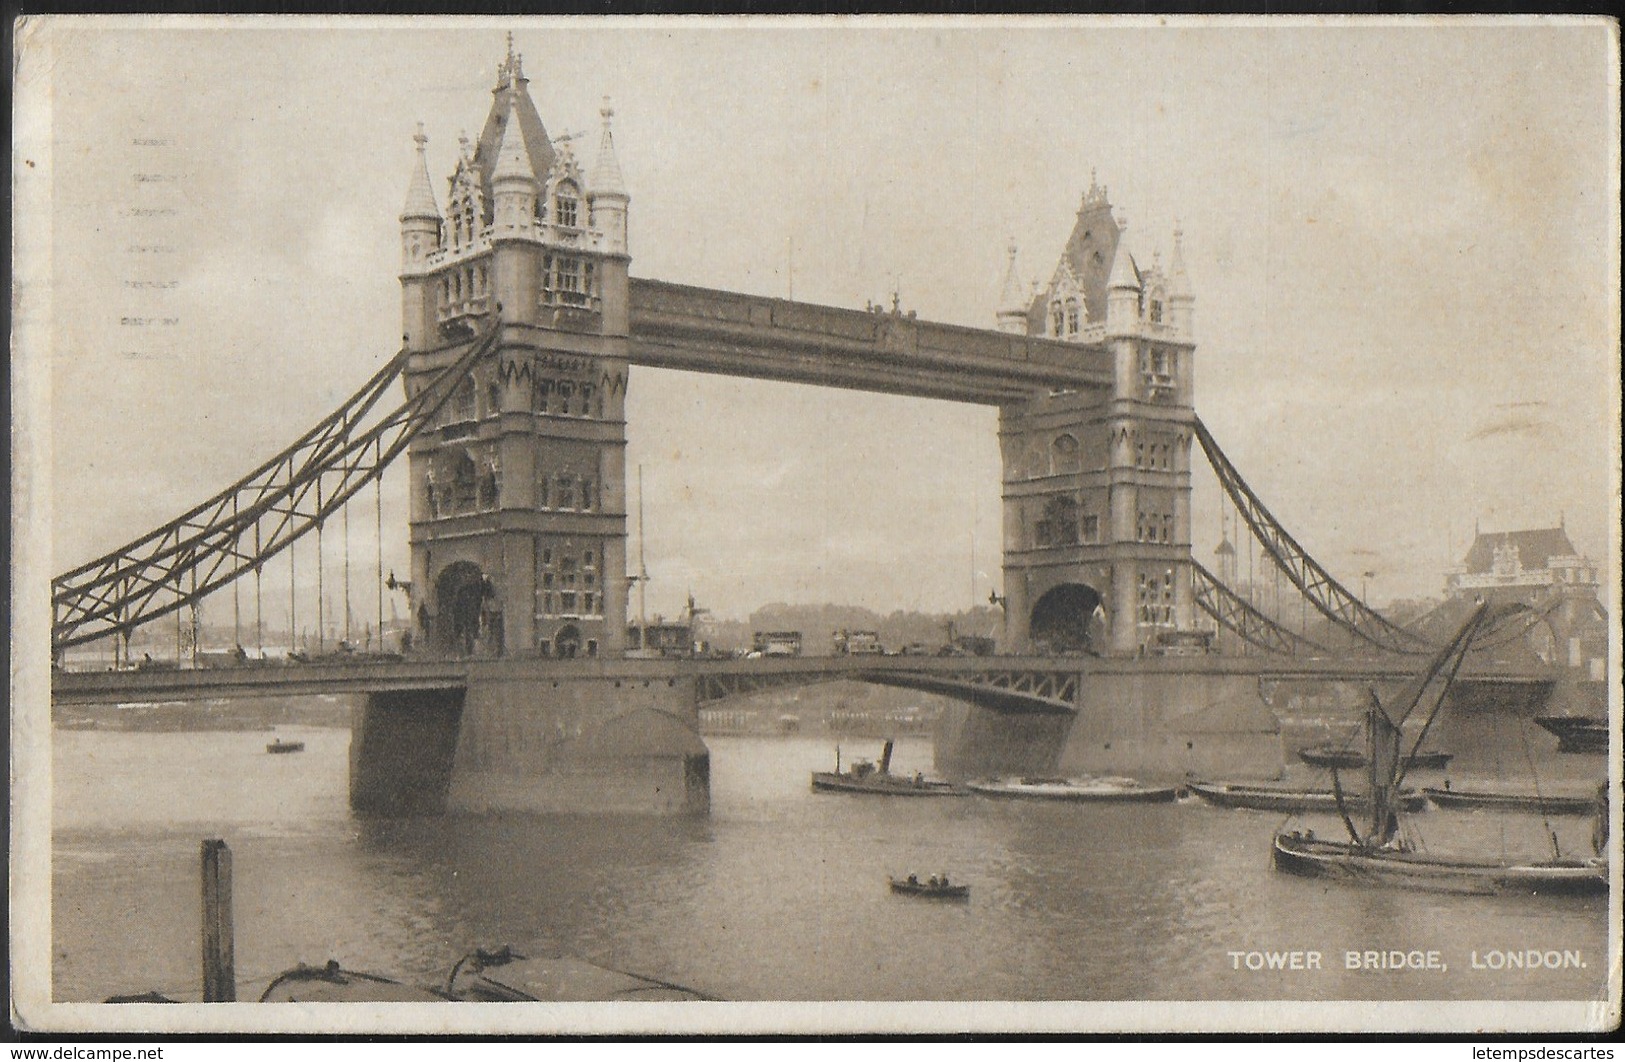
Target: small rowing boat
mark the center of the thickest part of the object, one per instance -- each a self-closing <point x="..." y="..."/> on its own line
<point x="280" y="746"/>
<point x="933" y="888"/>
<point x="1078" y="790"/>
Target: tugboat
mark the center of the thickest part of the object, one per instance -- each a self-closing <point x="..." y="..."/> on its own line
<point x="867" y="777"/>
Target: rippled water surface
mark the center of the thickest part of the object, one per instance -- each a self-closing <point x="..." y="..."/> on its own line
<point x="781" y="894"/>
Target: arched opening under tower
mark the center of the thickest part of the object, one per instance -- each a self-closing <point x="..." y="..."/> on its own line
<point x="461" y="592"/>
<point x="1067" y="620"/>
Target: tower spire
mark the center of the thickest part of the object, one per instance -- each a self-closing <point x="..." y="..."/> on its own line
<point x="606" y="172"/>
<point x="1123" y="274"/>
<point x="512" y="160"/>
<point x="1012" y="312"/>
<point x="420" y="201"/>
<point x="1179" y="281"/>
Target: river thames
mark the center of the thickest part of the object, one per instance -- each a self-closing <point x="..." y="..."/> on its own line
<point x="780" y="894"/>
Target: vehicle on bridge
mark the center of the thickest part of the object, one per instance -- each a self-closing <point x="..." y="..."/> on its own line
<point x="775" y="643"/>
<point x="857" y="643"/>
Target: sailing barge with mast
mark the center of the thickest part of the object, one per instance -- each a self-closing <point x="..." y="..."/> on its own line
<point x="1379" y="854"/>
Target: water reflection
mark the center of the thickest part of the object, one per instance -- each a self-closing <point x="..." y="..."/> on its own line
<point x="780" y="894"/>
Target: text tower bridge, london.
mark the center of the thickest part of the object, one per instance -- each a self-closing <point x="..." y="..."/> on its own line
<point x="522" y="326"/>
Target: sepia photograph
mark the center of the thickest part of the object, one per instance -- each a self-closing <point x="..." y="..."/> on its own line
<point x="816" y="525"/>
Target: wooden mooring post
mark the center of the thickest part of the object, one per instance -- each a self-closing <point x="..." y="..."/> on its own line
<point x="219" y="960"/>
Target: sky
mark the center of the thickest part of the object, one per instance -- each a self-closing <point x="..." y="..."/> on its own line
<point x="1402" y="235"/>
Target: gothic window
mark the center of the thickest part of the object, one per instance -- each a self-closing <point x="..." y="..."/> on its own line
<point x="462" y="402"/>
<point x="1072" y="317"/>
<point x="1058" y="526"/>
<point x="586" y="400"/>
<point x="538" y="395"/>
<point x="1091" y="528"/>
<point x="1156" y="311"/>
<point x="464" y="487"/>
<point x="1065" y="454"/>
<point x="564" y="494"/>
<point x="480" y="280"/>
<point x="1139" y="455"/>
<point x="490" y="488"/>
<point x="493" y="398"/>
<point x="429" y="494"/>
<point x="567" y="280"/>
<point x="588" y="503"/>
<point x="565" y="204"/>
<point x="1057" y="319"/>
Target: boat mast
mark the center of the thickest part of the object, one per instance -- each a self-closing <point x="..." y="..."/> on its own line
<point x="643" y="572"/>
<point x="1382" y="766"/>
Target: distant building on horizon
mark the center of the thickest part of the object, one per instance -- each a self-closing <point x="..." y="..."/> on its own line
<point x="1539" y="568"/>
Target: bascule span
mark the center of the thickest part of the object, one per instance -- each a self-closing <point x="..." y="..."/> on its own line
<point x="622" y="735"/>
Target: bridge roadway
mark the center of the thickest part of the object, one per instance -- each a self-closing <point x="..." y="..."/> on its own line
<point x="1004" y="683"/>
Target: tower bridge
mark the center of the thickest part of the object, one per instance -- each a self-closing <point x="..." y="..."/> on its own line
<point x="521" y="329"/>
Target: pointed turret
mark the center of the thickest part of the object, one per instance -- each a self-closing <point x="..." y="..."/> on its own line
<point x="1123" y="274"/>
<point x="513" y="186"/>
<point x="420" y="217"/>
<point x="606" y="172"/>
<point x="420" y="201"/>
<point x="607" y="189"/>
<point x="512" y="163"/>
<point x="1123" y="288"/>
<point x="1181" y="300"/>
<point x="1012" y="313"/>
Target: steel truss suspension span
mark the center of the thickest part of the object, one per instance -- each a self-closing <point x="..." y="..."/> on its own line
<point x="261" y="514"/>
<point x="1233" y="613"/>
<point x="1330" y="597"/>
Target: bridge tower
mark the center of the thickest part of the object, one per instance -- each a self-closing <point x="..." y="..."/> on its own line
<point x="518" y="492"/>
<point x="1097" y="516"/>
